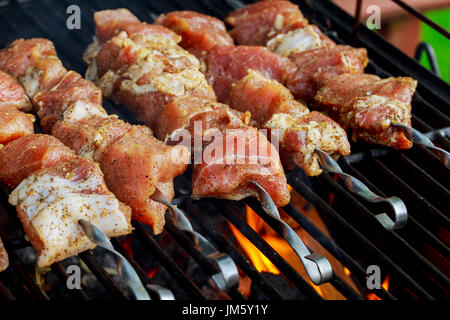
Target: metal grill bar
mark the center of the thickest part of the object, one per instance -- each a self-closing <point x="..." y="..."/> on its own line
<point x="184" y="280"/>
<point x="306" y="192"/>
<point x="423" y="18"/>
<point x="226" y="246"/>
<point x="337" y="282"/>
<point x="407" y="250"/>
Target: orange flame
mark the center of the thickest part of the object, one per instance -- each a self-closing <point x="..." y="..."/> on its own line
<point x="126" y="244"/>
<point x="384" y="285"/>
<point x="152" y="272"/>
<point x="259" y="260"/>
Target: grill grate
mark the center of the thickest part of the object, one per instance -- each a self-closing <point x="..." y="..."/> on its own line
<point x="415" y="257"/>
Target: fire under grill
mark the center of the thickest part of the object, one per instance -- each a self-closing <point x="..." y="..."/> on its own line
<point x="332" y="221"/>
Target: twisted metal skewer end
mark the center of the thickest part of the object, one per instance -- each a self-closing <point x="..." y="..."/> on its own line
<point x="317" y="267"/>
<point x="124" y="268"/>
<point x="227" y="278"/>
<point x="358" y="187"/>
<point x="419" y="138"/>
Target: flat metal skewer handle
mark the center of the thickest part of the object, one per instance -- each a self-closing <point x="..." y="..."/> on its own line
<point x="419" y="138"/>
<point x="228" y="276"/>
<point x="359" y="188"/>
<point x="124" y="268"/>
<point x="317" y="267"/>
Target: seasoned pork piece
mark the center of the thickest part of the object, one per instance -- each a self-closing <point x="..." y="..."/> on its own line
<point x="51" y="201"/>
<point x="257" y="23"/>
<point x="232" y="153"/>
<point x="135" y="165"/>
<point x="4" y="261"/>
<point x="227" y="65"/>
<point x="145" y="72"/>
<point x="264" y="98"/>
<point x="12" y="93"/>
<point x="28" y="154"/>
<point x="199" y="33"/>
<point x="315" y="67"/>
<point x="14" y="124"/>
<point x="51" y="105"/>
<point x="108" y="23"/>
<point x="33" y="63"/>
<point x="369" y="105"/>
<point x="234" y="159"/>
<point x="300" y="132"/>
<point x="198" y="117"/>
<point x="91" y="137"/>
<point x="278" y="25"/>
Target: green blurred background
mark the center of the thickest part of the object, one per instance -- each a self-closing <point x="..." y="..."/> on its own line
<point x="440" y="43"/>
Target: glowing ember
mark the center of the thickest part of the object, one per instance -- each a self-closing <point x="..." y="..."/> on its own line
<point x="152" y="272"/>
<point x="290" y="188"/>
<point x="346" y="271"/>
<point x="384" y="285"/>
<point x="126" y="244"/>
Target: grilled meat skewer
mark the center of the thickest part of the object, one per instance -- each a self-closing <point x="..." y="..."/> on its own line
<point x="328" y="75"/>
<point x="159" y="81"/>
<point x="53" y="188"/>
<point x="133" y="161"/>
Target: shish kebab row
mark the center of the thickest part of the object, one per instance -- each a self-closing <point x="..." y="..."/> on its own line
<point x="133" y="162"/>
<point x="129" y="86"/>
<point x="140" y="65"/>
<point x="54" y="188"/>
<point x="276" y="41"/>
<point x="70" y="108"/>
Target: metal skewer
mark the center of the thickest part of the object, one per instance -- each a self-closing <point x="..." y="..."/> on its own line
<point x="228" y="276"/>
<point x="359" y="188"/>
<point x="124" y="268"/>
<point x="317" y="267"/>
<point x="419" y="138"/>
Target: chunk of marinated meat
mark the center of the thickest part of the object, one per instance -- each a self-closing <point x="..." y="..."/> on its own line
<point x="91" y="137"/>
<point x="52" y="104"/>
<point x="315" y="67"/>
<point x="227" y="65"/>
<point x="234" y="159"/>
<point x="199" y="32"/>
<point x="232" y="153"/>
<point x="369" y="105"/>
<point x="264" y="98"/>
<point x="12" y="93"/>
<point x="299" y="131"/>
<point x="135" y="165"/>
<point x="28" y="154"/>
<point x="51" y="202"/>
<point x="257" y="23"/>
<point x="278" y="25"/>
<point x="108" y="23"/>
<point x="4" y="261"/>
<point x="33" y="63"/>
<point x="197" y="117"/>
<point x="145" y="72"/>
<point x="14" y="124"/>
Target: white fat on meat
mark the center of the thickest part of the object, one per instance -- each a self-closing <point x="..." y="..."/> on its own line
<point x="53" y="205"/>
<point x="295" y="41"/>
<point x="81" y="110"/>
<point x="374" y="101"/>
